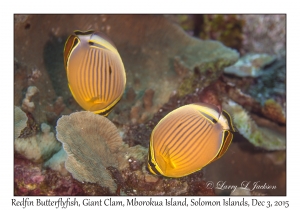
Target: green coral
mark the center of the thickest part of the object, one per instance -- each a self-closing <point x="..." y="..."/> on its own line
<point x="186" y="86"/>
<point x="203" y="75"/>
<point x="20" y="120"/>
<point x="259" y="136"/>
<point x="227" y="29"/>
<point x="186" y="22"/>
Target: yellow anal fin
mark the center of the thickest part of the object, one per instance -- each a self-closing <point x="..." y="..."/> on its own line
<point x="96" y="101"/>
<point x="169" y="163"/>
<point x="227" y="139"/>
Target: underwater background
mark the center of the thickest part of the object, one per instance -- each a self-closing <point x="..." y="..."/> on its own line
<point x="236" y="62"/>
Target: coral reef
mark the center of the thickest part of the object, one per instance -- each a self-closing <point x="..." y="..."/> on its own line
<point x="31" y="92"/>
<point x="274" y="110"/>
<point x="57" y="162"/>
<point x="270" y="90"/>
<point x="197" y="79"/>
<point x="265" y="34"/>
<point x="148" y="99"/>
<point x="140" y="134"/>
<point x="246" y="33"/>
<point x="166" y="68"/>
<point x="91" y="142"/>
<point x="262" y="133"/>
<point x="259" y="136"/>
<point x="186" y="22"/>
<point x="250" y="65"/>
<point x="264" y="95"/>
<point x="20" y="121"/>
<point x="149" y="55"/>
<point x="226" y="28"/>
<point x="27" y="104"/>
<point x="31" y="129"/>
<point x="55" y="110"/>
<point x="97" y="154"/>
<point x="30" y="179"/>
<point x="141" y="110"/>
<point x="37" y="147"/>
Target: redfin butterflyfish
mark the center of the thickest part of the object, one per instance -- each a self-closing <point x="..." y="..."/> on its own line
<point x="95" y="71"/>
<point x="189" y="138"/>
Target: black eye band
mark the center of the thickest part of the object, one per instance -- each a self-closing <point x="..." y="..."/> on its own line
<point x="152" y="164"/>
<point x="84" y="32"/>
<point x="91" y="43"/>
<point x="229" y="120"/>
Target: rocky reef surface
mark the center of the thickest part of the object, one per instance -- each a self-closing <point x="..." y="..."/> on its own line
<point x="166" y="68"/>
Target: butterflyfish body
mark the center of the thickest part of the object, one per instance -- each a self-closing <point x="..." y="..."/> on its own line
<point x="189" y="138"/>
<point x="95" y="71"/>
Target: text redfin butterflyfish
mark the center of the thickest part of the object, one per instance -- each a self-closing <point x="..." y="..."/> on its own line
<point x="95" y="71"/>
<point x="189" y="138"/>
